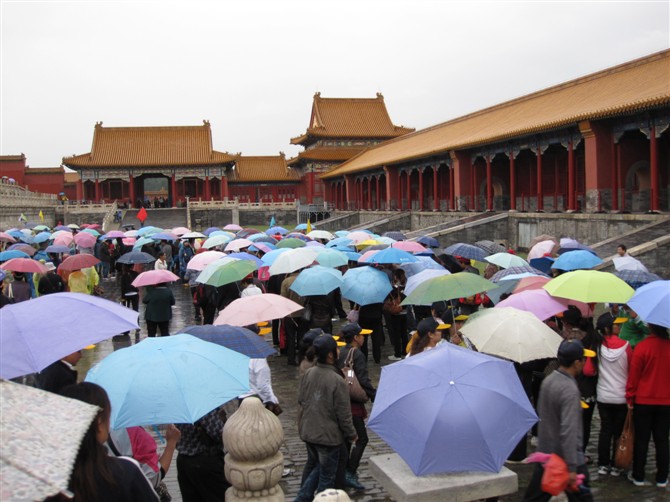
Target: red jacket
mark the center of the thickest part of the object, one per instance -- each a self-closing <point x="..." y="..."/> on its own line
<point x="650" y="372"/>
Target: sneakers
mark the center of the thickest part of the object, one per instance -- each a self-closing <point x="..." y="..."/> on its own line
<point x="635" y="481"/>
<point x="603" y="470"/>
<point x="663" y="484"/>
<point x="615" y="471"/>
<point x="394" y="358"/>
<point x="351" y="481"/>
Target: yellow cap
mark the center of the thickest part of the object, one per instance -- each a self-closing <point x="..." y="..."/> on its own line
<point x="89" y="347"/>
<point x="264" y="331"/>
<point x="620" y="320"/>
<point x="444" y="325"/>
<point x="589" y="353"/>
<point x="584" y="405"/>
<point x="262" y="323"/>
<point x="461" y="317"/>
<point x="365" y="332"/>
<point x="341" y="344"/>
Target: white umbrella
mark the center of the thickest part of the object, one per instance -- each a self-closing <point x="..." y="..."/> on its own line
<point x="628" y="263"/>
<point x="506" y="260"/>
<point x="511" y="334"/>
<point x="292" y="260"/>
<point x="540" y="249"/>
<point x="193" y="235"/>
<point x="416" y="279"/>
<point x="321" y="234"/>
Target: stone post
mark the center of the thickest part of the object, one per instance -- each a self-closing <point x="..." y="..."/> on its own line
<point x="253" y="464"/>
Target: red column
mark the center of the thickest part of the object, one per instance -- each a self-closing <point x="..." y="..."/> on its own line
<point x="571" y="177"/>
<point x="80" y="189"/>
<point x="379" y="199"/>
<point x="452" y="188"/>
<point x="369" y="194"/>
<point x="540" y="203"/>
<point x="310" y="187"/>
<point x="173" y="184"/>
<point x="97" y="191"/>
<point x="489" y="186"/>
<point x="618" y="177"/>
<point x="653" y="169"/>
<point x="224" y="187"/>
<point x="615" y="173"/>
<point x="473" y="188"/>
<point x="208" y="189"/>
<point x="512" y="182"/>
<point x="409" y="190"/>
<point x="436" y="189"/>
<point x="399" y="190"/>
<point x="420" y="190"/>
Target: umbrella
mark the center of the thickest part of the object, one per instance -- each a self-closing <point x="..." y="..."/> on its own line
<point x="73" y="226"/>
<point x="42" y="237"/>
<point x="331" y="258"/>
<point x="467" y="251"/>
<point x="153" y="277"/>
<point x="135" y="257"/>
<point x="576" y="246"/>
<point x="148" y="230"/>
<point x="576" y="260"/>
<point x="429" y="242"/>
<point x="237" y="244"/>
<point x="543" y="264"/>
<point x="201" y="260"/>
<point x="24" y="265"/>
<point x="270" y="257"/>
<point x="13" y="253"/>
<point x="171" y="379"/>
<point x="193" y="235"/>
<point x="367" y="255"/>
<point x="58" y="249"/>
<point x="365" y="285"/>
<point x="424" y="263"/>
<point x="409" y="246"/>
<point x="590" y="286"/>
<point x="392" y="255"/>
<point x="164" y="236"/>
<point x="64" y="239"/>
<point x="217" y="273"/>
<point x="77" y="262"/>
<point x="358" y="236"/>
<point x="235" y="338"/>
<point x="529" y="283"/>
<point x="541" y="248"/>
<point x="92" y="231"/>
<point x="5" y="237"/>
<point x="628" y="263"/>
<point x="506" y="260"/>
<point x="28" y="239"/>
<point x="43" y="330"/>
<point x="249" y="257"/>
<point x="131" y="233"/>
<point x="34" y="420"/>
<point x="321" y="234"/>
<point x="265" y="247"/>
<point x="512" y="334"/>
<point x="317" y="280"/>
<point x="636" y="278"/>
<point x="180" y="230"/>
<point x="253" y="309"/>
<point x="276" y="230"/>
<point x="491" y="247"/>
<point x="543" y="237"/>
<point x="142" y="241"/>
<point x="516" y="273"/>
<point x="395" y="235"/>
<point x="29" y="250"/>
<point x="246" y="232"/>
<point x="233" y="227"/>
<point x="114" y="234"/>
<point x="652" y="303"/>
<point x="216" y="240"/>
<point x="448" y="287"/>
<point x="291" y="242"/>
<point x="537" y="302"/>
<point x="208" y="231"/>
<point x="84" y="240"/>
<point x="340" y="241"/>
<point x="301" y="226"/>
<point x="40" y="228"/>
<point x="451" y="409"/>
<point x="292" y="260"/>
<point x="503" y="287"/>
<point x="415" y="280"/>
<point x="257" y="238"/>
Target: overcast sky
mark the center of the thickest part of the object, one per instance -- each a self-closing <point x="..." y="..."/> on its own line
<point x="252" y="67"/>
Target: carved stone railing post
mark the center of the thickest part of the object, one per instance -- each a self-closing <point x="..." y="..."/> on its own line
<point x="253" y="465"/>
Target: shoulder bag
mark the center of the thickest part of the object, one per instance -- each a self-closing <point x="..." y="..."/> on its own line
<point x="356" y="392"/>
<point x="623" y="456"/>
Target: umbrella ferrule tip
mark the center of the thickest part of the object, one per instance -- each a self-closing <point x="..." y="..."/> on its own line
<point x="451" y="382"/>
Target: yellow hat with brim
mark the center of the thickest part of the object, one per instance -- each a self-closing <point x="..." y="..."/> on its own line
<point x="365" y="332"/>
<point x="264" y="331"/>
<point x="461" y="317"/>
<point x="89" y="347"/>
<point x="262" y="323"/>
<point x="620" y="320"/>
<point x="584" y="405"/>
<point x="589" y="353"/>
<point x="444" y="325"/>
<point x="341" y="344"/>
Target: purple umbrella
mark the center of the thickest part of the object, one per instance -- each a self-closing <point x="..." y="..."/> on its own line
<point x="235" y="338"/>
<point x="43" y="330"/>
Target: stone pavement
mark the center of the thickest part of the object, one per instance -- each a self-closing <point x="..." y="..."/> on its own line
<point x="285" y="384"/>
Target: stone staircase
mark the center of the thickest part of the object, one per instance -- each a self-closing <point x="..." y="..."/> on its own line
<point x="632" y="239"/>
<point x="442" y="227"/>
<point x="161" y="218"/>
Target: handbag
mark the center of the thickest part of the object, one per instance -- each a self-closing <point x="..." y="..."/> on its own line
<point x="555" y="477"/>
<point x="392" y="306"/>
<point x="352" y="316"/>
<point x="356" y="392"/>
<point x="623" y="455"/>
<point x="307" y="312"/>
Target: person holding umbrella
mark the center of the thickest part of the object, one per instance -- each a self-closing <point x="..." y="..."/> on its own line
<point x="159" y="300"/>
<point x="560" y="428"/>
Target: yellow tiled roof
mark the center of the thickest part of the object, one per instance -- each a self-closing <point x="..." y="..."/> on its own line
<point x="150" y="147"/>
<point x="262" y="169"/>
<point x="350" y="118"/>
<point x="330" y="154"/>
<point x="630" y="87"/>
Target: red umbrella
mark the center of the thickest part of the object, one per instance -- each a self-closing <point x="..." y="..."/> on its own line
<point x="142" y="214"/>
<point x="78" y="261"/>
<point x="24" y="265"/>
<point x="84" y="240"/>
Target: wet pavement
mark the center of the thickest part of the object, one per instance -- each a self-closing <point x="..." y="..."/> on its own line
<point x="285" y="382"/>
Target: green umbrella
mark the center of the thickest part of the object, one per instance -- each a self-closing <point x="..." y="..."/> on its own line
<point x="39" y="228"/>
<point x="217" y="240"/>
<point x="232" y="270"/>
<point x="448" y="287"/>
<point x="590" y="286"/>
<point x="291" y="242"/>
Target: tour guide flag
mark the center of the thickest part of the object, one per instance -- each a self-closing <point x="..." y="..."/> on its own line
<point x="23" y="218"/>
<point x="309" y="227"/>
<point x="142" y="215"/>
<point x="272" y="222"/>
<point x="41" y="216"/>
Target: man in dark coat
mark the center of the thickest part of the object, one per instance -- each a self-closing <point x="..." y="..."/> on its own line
<point x="159" y="301"/>
<point x="59" y="374"/>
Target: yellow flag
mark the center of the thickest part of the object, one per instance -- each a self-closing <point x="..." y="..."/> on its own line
<point x="309" y="227"/>
<point x="41" y="216"/>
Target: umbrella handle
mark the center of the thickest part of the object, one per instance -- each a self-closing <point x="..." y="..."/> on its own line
<point x="158" y="433"/>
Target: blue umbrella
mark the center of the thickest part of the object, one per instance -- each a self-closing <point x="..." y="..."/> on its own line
<point x="210" y="230"/>
<point x="55" y="248"/>
<point x="636" y="278"/>
<point x="248" y="257"/>
<point x="148" y="230"/>
<point x="467" y="251"/>
<point x="171" y="379"/>
<point x="163" y="236"/>
<point x="340" y="241"/>
<point x="365" y="285"/>
<point x="62" y="227"/>
<point x="429" y="242"/>
<point x="13" y="253"/>
<point x="341" y="233"/>
<point x="451" y="410"/>
<point x="262" y="238"/>
<point x="424" y="263"/>
<point x="332" y="258"/>
<point x="543" y="264"/>
<point x="28" y="239"/>
<point x="269" y="258"/>
<point x="652" y="303"/>
<point x="235" y="338"/>
<point x="42" y="237"/>
<point x="135" y="257"/>
<point x="143" y="241"/>
<point x="392" y="255"/>
<point x="301" y="226"/>
<point x="317" y="280"/>
<point x="576" y="260"/>
<point x="277" y="230"/>
<point x="575" y="246"/>
<point x="17" y="233"/>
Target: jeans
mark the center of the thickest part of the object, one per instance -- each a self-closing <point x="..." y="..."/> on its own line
<point x="612" y="417"/>
<point x="651" y="421"/>
<point x="534" y="491"/>
<point x="320" y="470"/>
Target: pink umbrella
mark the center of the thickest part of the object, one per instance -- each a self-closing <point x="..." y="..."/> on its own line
<point x="201" y="260"/>
<point x="114" y="234"/>
<point x="238" y="244"/>
<point x="5" y="237"/>
<point x="129" y="241"/>
<point x="256" y="308"/>
<point x="84" y="240"/>
<point x="94" y="226"/>
<point x="24" y="265"/>
<point x="78" y="261"/>
<point x="409" y="246"/>
<point x="540" y="249"/>
<point x="358" y="236"/>
<point x="261" y="246"/>
<point x="233" y="227"/>
<point x="153" y="277"/>
<point x="528" y="283"/>
<point x="26" y="248"/>
<point x="535" y="301"/>
<point x="65" y="239"/>
<point x="367" y="255"/>
<point x="180" y="230"/>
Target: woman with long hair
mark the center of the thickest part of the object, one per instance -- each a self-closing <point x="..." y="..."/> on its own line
<point x="428" y="335"/>
<point x="96" y="475"/>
